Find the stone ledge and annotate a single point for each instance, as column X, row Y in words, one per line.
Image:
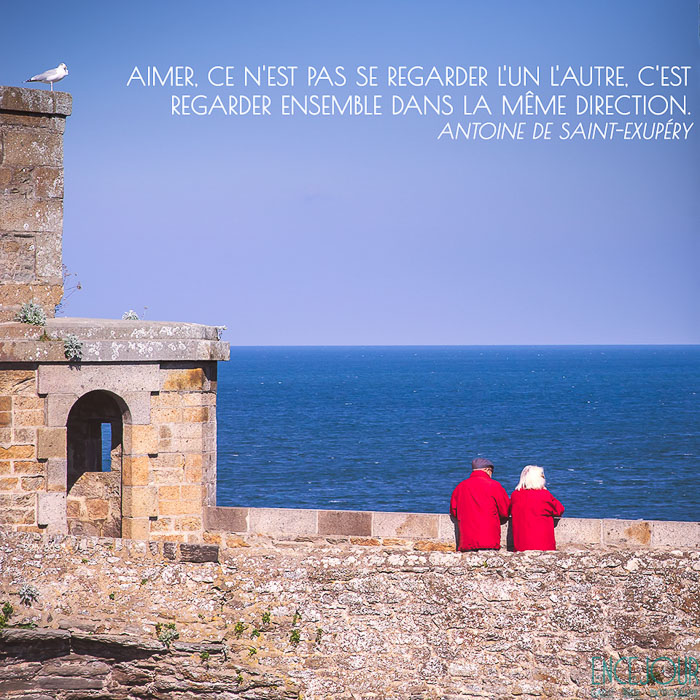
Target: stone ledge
column 35, row 101
column 639, row 534
column 106, row 340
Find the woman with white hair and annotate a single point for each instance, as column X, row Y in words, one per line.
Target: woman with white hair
column 533, row 510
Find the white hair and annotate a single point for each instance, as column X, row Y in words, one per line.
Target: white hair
column 532, row 477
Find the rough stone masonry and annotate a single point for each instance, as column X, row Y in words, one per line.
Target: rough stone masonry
column 340, row 618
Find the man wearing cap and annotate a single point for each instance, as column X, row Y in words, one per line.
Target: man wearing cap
column 480, row 504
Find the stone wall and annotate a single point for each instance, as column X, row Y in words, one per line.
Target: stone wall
column 32, row 123
column 333, row 617
column 436, row 529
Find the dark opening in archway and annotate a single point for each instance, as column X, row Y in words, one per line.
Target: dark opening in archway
column 95, row 434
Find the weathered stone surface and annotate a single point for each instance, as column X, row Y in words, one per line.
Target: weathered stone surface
column 51, row 511
column 34, row 101
column 415, row 525
column 338, row 522
column 51, row 442
column 372, row 621
column 199, row 553
column 273, row 521
column 227, row 519
column 76, row 380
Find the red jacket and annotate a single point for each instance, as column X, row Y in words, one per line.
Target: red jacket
column 533, row 511
column 479, row 503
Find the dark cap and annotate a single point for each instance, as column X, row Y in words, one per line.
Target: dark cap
column 481, row 463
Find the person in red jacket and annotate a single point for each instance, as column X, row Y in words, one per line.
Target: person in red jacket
column 480, row 504
column 533, row 510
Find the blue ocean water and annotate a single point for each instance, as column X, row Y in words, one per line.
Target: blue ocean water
column 396, row 428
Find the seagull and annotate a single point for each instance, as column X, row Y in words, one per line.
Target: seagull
column 50, row 76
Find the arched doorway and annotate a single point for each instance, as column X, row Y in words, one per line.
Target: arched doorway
column 94, row 469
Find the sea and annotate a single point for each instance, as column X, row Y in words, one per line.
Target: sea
column 616, row 428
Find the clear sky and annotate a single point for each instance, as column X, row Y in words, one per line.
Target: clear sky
column 360, row 231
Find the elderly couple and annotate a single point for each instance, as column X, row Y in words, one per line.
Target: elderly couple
column 480, row 504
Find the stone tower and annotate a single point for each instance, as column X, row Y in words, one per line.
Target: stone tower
column 107, row 427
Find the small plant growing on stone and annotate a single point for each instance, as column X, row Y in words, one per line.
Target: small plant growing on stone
column 239, row 679
column 144, row 581
column 28, row 594
column 72, row 348
column 167, row 633
column 295, row 637
column 252, row 651
column 296, row 618
column 32, row 314
column 83, row 561
column 239, row 628
column 266, row 617
column 255, row 634
column 130, row 315
column 204, row 656
column 6, row 614
column 112, row 595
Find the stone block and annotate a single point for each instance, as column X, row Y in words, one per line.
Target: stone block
column 35, row 102
column 199, row 414
column 18, row 382
column 411, row 525
column 5, row 418
column 626, row 532
column 29, row 467
column 578, row 531
column 24, row 403
column 51, row 442
column 190, row 524
column 47, row 182
column 276, row 521
column 140, row 439
column 56, row 474
column 194, row 379
column 180, row 507
column 29, row 418
column 225, row 519
column 680, row 535
column 136, row 470
column 31, row 215
column 79, row 379
column 97, row 508
column 139, row 404
column 344, row 522
column 32, row 147
column 199, row 553
column 17, row 452
column 139, row 501
column 49, row 258
column 58, row 407
column 9, row 484
column 17, row 257
column 33, row 483
column 51, row 511
column 447, row 528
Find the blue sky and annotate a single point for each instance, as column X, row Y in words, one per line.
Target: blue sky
column 368, row 230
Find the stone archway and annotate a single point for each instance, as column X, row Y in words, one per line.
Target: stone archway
column 95, row 436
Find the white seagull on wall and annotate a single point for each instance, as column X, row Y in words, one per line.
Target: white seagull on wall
column 50, row 76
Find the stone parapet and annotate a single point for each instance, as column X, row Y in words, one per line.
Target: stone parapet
column 439, row 528
column 112, row 341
